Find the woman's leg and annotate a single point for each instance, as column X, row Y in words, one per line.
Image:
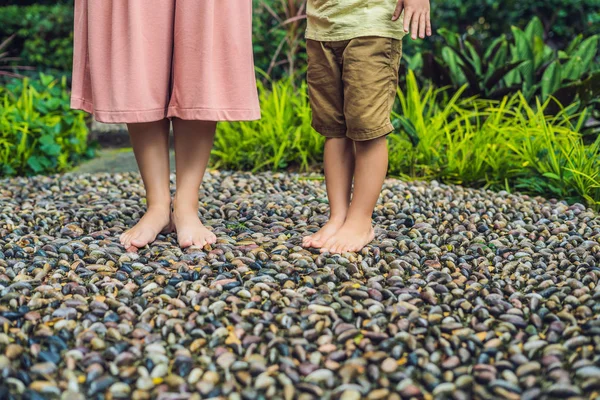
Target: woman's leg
column 193, row 143
column 151, row 148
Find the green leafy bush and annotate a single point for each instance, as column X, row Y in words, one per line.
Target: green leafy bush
column 562, row 19
column 493, row 144
column 282, row 139
column 39, row 133
column 44, row 34
column 522, row 64
column 278, row 37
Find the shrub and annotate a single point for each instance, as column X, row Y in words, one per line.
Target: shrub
column 8, row 67
column 39, row 133
column 44, row 34
column 278, row 37
column 493, row 144
column 562, row 19
column 522, row 64
column 282, row 139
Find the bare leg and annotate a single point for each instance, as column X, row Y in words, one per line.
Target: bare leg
column 339, row 167
column 193, row 143
column 151, row 148
column 369, row 174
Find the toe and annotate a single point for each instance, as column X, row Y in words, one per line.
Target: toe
column 185, row 242
column 137, row 242
column 124, row 238
column 200, row 243
column 327, row 246
column 306, row 241
column 333, row 247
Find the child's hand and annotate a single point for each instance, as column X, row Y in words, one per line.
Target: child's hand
column 416, row 17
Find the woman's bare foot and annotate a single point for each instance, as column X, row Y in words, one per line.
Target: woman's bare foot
column 190, row 231
column 156, row 220
column 318, row 239
column 352, row 236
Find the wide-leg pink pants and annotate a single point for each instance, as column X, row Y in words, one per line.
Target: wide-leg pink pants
column 145, row 60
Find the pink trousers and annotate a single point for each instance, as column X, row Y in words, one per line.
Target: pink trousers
column 146, row 60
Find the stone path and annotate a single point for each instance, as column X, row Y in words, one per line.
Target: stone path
column 464, row 294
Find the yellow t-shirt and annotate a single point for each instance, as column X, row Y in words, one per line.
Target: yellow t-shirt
column 332, row 20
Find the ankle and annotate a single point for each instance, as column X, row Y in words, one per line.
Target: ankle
column 185, row 205
column 161, row 208
column 337, row 218
column 358, row 221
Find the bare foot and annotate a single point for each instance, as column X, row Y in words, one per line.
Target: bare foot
column 156, row 220
column 322, row 236
column 190, row 231
column 352, row 236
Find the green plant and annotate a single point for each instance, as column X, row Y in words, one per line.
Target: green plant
column 39, row 133
column 283, row 23
column 463, row 61
column 562, row 19
column 7, row 67
column 522, row 64
column 43, row 34
column 544, row 72
column 559, row 163
column 282, row 139
column 493, row 144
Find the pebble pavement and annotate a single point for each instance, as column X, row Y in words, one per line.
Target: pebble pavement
column 464, row 294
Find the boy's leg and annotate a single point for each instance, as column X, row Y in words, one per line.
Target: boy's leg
column 326, row 95
column 150, row 143
column 193, row 143
column 339, row 168
column 370, row 73
column 369, row 174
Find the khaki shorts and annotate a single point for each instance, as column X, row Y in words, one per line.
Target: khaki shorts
column 352, row 86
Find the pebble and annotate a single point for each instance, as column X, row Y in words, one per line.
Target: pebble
column 463, row 293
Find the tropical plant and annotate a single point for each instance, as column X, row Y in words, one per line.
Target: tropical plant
column 523, row 63
column 43, row 34
column 493, row 144
column 282, row 24
column 39, row 133
column 7, row 66
column 282, row 139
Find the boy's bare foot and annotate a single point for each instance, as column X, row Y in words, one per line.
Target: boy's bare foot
column 324, row 234
column 156, row 220
column 190, row 231
column 352, row 236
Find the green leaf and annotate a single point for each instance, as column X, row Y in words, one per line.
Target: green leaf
column 499, row 58
column 587, row 51
column 574, row 44
column 46, row 80
column 494, row 47
column 534, row 29
column 404, row 124
column 551, row 79
column 34, row 164
column 474, row 59
column 552, row 175
column 500, row 73
column 541, row 52
column 523, row 50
